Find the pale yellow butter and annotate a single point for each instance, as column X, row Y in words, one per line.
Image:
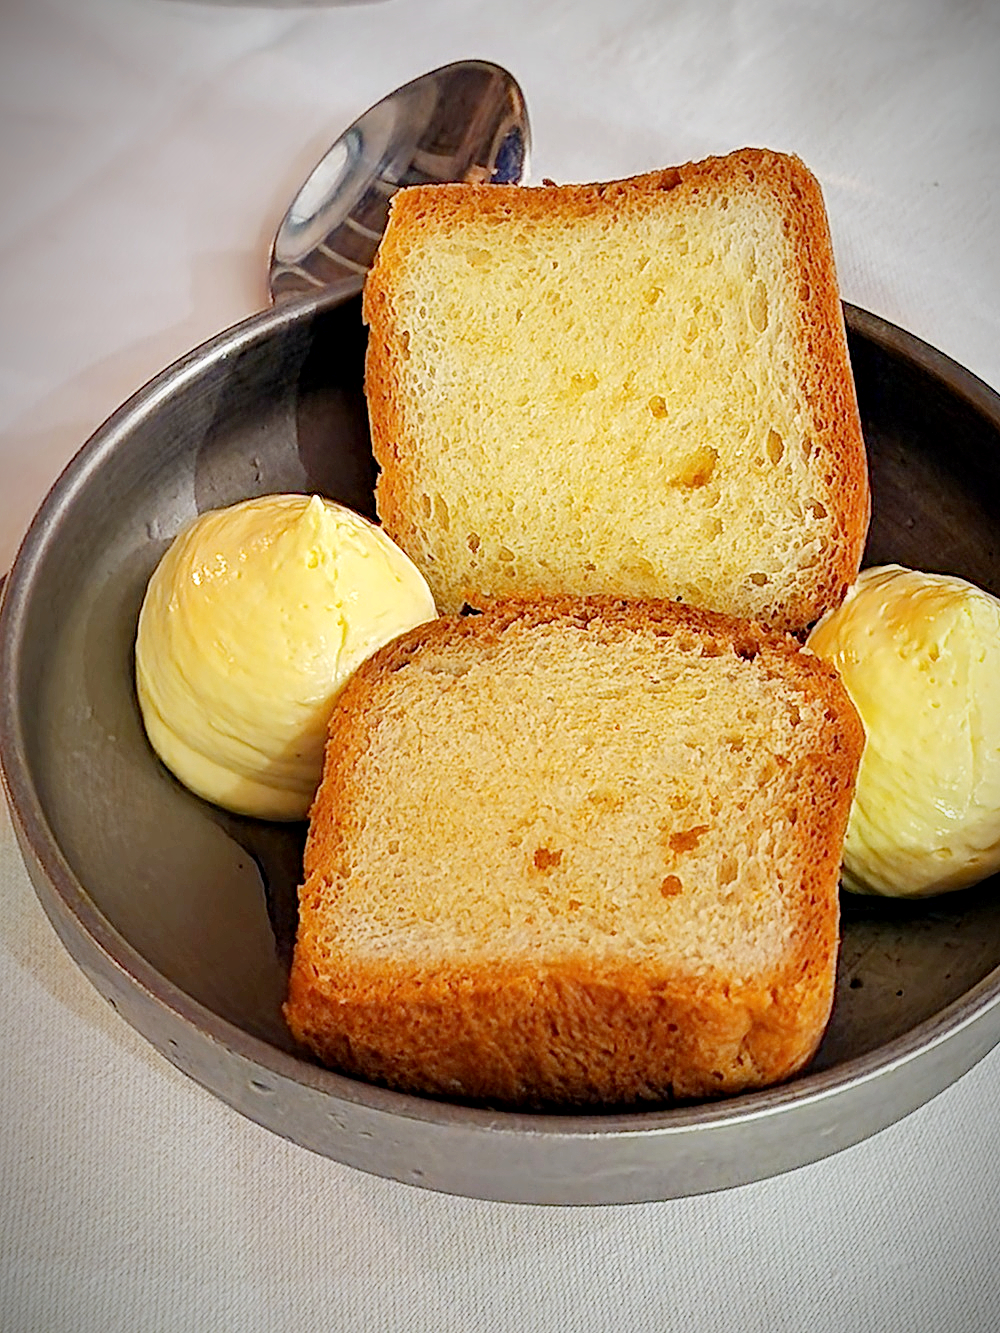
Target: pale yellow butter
column 920, row 657
column 251, row 624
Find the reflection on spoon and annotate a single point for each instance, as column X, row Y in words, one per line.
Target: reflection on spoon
column 463, row 122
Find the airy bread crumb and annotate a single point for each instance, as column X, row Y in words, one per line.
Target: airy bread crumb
column 639, row 388
column 577, row 852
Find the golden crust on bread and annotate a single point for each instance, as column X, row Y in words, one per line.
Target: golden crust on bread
column 577, row 852
column 636, row 388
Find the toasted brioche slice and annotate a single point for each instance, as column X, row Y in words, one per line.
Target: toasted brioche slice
column 574, row 852
column 640, row 389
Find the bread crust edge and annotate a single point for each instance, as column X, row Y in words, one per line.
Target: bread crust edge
column 572, row 1033
column 820, row 335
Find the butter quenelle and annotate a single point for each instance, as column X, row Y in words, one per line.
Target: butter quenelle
column 251, row 624
column 920, row 657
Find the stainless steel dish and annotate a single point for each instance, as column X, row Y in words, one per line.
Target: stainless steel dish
column 182, row 916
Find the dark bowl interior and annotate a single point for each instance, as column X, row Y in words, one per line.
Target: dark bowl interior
column 208, row 898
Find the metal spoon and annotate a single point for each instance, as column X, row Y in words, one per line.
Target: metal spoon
column 463, row 122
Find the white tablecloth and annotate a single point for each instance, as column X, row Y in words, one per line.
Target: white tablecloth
column 148, row 150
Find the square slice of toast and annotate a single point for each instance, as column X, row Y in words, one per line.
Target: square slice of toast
column 576, row 852
column 640, row 388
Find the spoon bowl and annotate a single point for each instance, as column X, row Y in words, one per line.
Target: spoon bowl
column 463, row 122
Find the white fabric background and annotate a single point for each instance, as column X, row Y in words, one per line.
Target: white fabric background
column 148, row 148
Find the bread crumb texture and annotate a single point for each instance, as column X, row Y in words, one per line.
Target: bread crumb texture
column 574, row 852
column 640, row 388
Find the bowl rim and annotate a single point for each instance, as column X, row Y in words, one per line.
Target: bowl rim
column 134, row 970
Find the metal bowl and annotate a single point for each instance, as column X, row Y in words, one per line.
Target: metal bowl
column 183, row 916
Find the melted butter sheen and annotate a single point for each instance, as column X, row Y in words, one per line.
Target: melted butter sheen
column 251, row 624
column 920, row 657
